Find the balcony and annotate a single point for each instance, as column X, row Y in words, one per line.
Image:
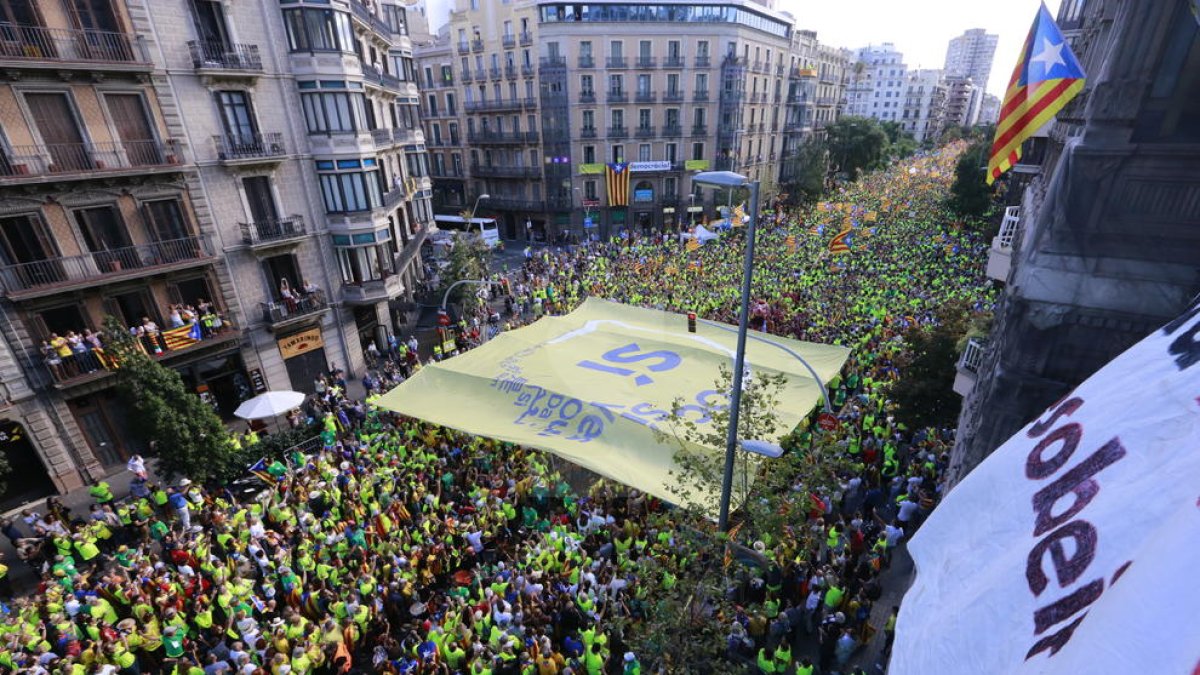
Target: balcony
column 526, row 38
column 272, row 233
column 509, row 41
column 587, row 62
column 587, row 132
column 1000, row 255
column 553, row 62
column 407, row 136
column 644, row 132
column 510, row 72
column 618, row 132
column 40, row 278
column 494, row 73
column 700, row 96
column 464, row 47
column 23, row 46
column 527, row 70
column 251, row 149
column 82, row 161
column 501, row 138
column 217, row 59
column 477, row 45
column 647, row 62
column 487, row 106
column 587, row 97
column 372, row 291
column 702, row 62
column 645, row 97
column 382, row 138
column 757, row 66
column 375, row 75
column 617, row 97
column 674, row 62
column 699, row 129
column 530, row 103
column 616, row 62
column 493, row 171
column 466, row 76
column 969, row 365
column 672, row 131
column 672, row 96
column 288, row 313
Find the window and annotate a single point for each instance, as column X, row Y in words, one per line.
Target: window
column 418, row 163
column 360, row 264
column 318, row 30
column 585, row 49
column 333, row 112
column 585, row 85
column 451, row 109
column 589, row 119
column 618, row 119
column 237, row 116
column 669, row 189
column 699, row 117
column 165, row 221
column 672, row 152
column 589, row 189
column 697, row 151
column 673, row 83
column 618, row 153
column 589, row 154
column 644, row 118
column 644, row 49
column 644, row 152
column 702, row 82
column 347, row 187
column 643, row 84
column 615, row 83
column 615, row 48
column 672, row 117
column 433, row 105
column 673, row 49
column 702, row 48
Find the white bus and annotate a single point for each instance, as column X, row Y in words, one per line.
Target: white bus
column 484, row 228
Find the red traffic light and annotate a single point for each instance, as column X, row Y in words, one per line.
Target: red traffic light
column 691, row 322
column 443, row 318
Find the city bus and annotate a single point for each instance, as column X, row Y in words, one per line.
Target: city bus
column 484, row 228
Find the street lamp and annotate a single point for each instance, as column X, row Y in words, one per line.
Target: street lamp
column 691, row 211
column 731, row 180
column 473, row 209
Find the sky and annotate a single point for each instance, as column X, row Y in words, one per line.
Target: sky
column 920, row 29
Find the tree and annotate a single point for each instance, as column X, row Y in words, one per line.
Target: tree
column 468, row 260
column 770, row 496
column 856, row 144
column 970, row 195
column 807, row 171
column 925, row 395
column 183, row 431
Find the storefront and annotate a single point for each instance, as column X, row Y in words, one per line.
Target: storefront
column 27, row 479
column 220, row 381
column 304, row 357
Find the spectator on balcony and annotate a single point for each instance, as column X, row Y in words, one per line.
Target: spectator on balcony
column 62, row 347
column 53, row 361
column 289, row 298
column 151, row 336
column 175, row 319
column 312, row 294
column 85, row 360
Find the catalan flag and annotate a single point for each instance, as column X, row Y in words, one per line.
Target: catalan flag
column 1046, row 78
column 184, row 336
column 692, row 244
column 616, row 176
column 838, row 243
column 739, row 215
column 790, row 242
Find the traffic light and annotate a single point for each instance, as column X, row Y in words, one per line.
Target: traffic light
column 691, row 322
column 443, row 318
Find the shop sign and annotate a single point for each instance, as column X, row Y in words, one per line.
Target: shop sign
column 301, row 343
column 635, row 167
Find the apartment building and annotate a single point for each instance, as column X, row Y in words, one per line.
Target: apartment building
column 878, row 83
column 546, row 93
column 98, row 216
column 267, row 161
column 970, row 55
column 963, row 101
column 1099, row 247
column 818, row 76
column 924, row 104
column 305, row 127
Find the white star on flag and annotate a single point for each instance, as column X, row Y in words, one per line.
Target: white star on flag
column 1050, row 56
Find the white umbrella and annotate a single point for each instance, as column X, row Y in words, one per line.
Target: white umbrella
column 269, row 404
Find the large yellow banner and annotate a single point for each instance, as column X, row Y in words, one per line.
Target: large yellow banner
column 592, row 387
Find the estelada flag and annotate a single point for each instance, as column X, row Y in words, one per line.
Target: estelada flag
column 692, row 244
column 1046, row 78
column 184, row 336
column 739, row 216
column 838, row 243
column 616, row 176
column 790, row 242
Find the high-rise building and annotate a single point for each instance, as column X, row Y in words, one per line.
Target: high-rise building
column 878, row 83
column 547, row 93
column 265, row 160
column 924, row 104
column 970, row 55
column 1100, row 248
column 962, row 97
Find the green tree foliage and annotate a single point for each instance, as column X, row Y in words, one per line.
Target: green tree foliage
column 769, row 496
column 970, row 195
column 468, row 260
column 808, row 170
column 186, row 435
column 925, row 395
column 856, row 144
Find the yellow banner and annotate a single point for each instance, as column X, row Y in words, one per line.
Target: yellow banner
column 592, row 387
column 591, row 168
column 696, row 165
column 300, row 343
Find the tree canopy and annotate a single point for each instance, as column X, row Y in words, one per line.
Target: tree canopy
column 856, row 144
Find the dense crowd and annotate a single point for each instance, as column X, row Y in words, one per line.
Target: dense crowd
column 404, row 548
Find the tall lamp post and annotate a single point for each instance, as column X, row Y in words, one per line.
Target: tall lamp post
column 730, row 181
column 476, row 207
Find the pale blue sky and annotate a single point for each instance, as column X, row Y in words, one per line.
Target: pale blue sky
column 920, row 29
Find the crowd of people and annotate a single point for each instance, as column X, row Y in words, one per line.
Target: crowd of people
column 406, row 548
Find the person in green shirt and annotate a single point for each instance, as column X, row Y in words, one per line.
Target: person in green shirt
column 101, row 491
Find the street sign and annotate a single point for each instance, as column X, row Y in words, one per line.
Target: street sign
column 443, row 318
column 827, row 422
column 587, row 222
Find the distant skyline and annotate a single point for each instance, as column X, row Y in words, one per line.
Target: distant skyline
column 920, row 29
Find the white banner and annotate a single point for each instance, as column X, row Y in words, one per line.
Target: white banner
column 1074, row 547
column 637, row 167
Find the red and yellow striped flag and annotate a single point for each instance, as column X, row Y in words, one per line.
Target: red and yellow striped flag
column 616, row 177
column 184, row 336
column 1046, row 78
column 838, row 243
